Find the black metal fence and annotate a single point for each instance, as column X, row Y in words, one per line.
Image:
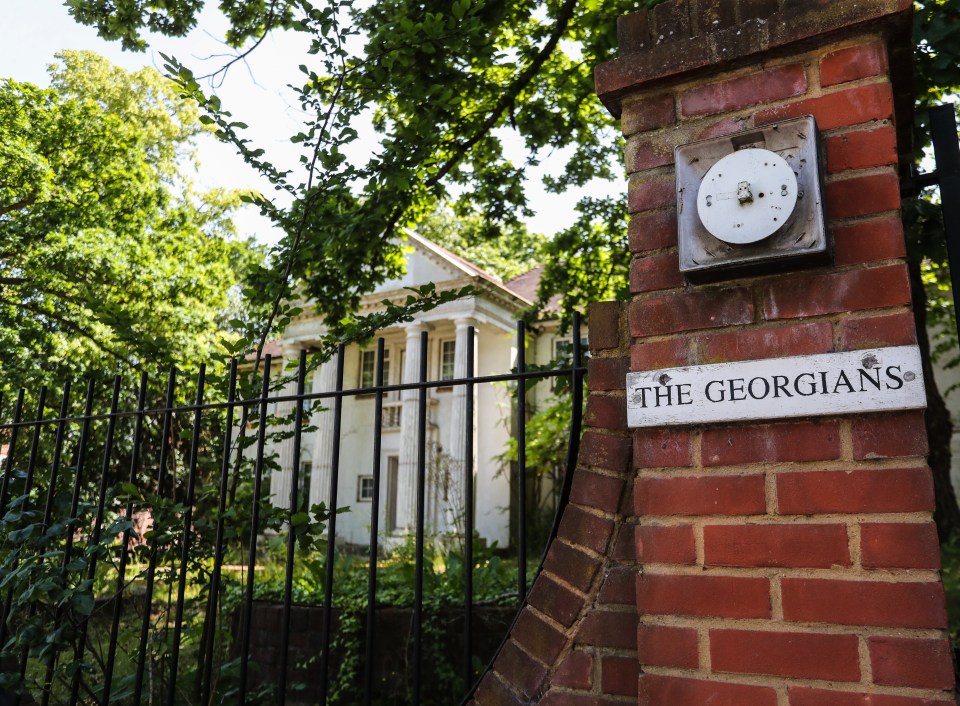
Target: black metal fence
column 134, row 543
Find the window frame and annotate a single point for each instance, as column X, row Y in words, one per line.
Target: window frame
column 361, row 482
column 371, row 355
column 453, row 359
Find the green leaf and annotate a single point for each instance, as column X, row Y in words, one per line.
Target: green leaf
column 82, row 603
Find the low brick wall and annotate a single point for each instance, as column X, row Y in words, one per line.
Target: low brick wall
column 393, row 648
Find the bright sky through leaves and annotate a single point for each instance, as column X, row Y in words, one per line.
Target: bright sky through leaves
column 33, row 31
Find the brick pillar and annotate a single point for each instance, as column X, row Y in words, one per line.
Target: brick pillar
column 789, row 563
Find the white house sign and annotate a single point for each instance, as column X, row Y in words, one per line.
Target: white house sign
column 813, row 385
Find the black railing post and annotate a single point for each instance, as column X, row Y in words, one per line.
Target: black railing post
column 576, row 423
column 187, row 534
column 11, row 449
column 331, row 532
column 28, row 485
column 374, row 531
column 51, row 495
column 521, row 463
column 946, row 150
column 95, row 537
column 124, row 544
column 421, row 518
column 291, row 532
column 468, row 522
column 34, row 447
column 166, row 443
column 73, row 521
column 254, row 531
column 210, row 624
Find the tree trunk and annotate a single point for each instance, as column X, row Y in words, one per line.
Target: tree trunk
column 939, row 425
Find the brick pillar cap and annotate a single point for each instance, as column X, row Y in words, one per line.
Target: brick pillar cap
column 668, row 41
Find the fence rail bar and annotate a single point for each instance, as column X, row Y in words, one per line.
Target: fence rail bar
column 74, row 504
column 573, row 444
column 95, row 539
column 309, row 396
column 206, row 686
column 51, row 494
column 421, row 515
column 8, row 471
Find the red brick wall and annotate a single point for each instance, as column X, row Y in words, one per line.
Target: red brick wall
column 577, row 637
column 792, row 563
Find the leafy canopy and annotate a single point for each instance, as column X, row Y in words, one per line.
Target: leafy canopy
column 109, row 259
column 446, row 86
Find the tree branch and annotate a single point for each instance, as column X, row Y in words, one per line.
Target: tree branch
column 76, row 328
column 222, row 71
column 509, row 95
column 17, row 205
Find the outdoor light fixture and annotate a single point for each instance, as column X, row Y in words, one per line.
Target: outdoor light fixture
column 751, row 201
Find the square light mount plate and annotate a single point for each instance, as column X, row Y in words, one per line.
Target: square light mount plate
column 751, row 201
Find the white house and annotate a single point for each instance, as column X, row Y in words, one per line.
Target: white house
column 493, row 312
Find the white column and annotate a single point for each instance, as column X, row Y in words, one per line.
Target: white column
column 409, row 433
column 324, row 380
column 456, row 440
column 280, row 479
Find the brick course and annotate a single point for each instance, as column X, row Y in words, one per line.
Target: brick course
column 744, row 91
column 702, row 495
column 653, row 230
column 814, row 546
column 786, row 654
column 900, row 661
column 853, row 106
column 665, row 646
column 876, row 603
column 818, row 294
column 656, row 690
column 852, row 63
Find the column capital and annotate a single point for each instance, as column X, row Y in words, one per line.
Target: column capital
column 462, row 322
column 290, row 352
column 415, row 328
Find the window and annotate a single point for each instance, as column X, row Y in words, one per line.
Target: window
column 393, row 473
column 563, row 350
column 365, row 488
column 448, row 353
column 368, row 367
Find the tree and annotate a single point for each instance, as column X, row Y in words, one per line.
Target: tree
column 937, row 79
column 444, row 82
column 109, row 258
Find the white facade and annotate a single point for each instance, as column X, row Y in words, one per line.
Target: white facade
column 493, row 313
